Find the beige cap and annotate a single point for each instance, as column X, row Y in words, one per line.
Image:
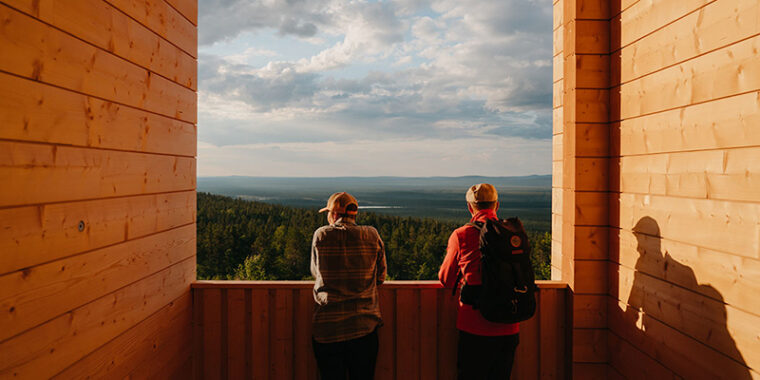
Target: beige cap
column 338, row 202
column 482, row 192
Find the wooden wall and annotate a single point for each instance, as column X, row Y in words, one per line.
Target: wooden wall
column 685, row 239
column 679, row 154
column 262, row 330
column 97, row 203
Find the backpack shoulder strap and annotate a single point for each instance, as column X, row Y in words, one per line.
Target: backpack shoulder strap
column 478, row 225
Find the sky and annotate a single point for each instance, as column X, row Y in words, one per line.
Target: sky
column 323, row 88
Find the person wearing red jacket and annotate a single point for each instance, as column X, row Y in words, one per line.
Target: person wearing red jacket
column 486, row 349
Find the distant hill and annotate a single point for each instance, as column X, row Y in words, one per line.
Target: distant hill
column 455, row 184
column 528, row 197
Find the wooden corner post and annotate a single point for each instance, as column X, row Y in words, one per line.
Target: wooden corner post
column 580, row 210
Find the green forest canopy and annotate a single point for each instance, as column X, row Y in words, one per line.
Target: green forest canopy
column 246, row 240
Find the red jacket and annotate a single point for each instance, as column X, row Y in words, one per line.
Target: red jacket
column 463, row 256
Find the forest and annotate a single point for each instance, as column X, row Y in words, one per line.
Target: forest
column 247, row 240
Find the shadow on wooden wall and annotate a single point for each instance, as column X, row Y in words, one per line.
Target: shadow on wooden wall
column 655, row 310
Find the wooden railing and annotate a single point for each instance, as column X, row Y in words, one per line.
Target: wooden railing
column 262, row 330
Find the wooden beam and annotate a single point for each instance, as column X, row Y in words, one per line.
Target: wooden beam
column 35, row 295
column 725, row 72
column 730, row 174
column 32, row 235
column 37, row 112
column 714, row 26
column 630, row 361
column 589, row 311
column 728, row 330
column 644, row 17
column 104, row 26
column 590, row 276
column 590, row 345
column 188, row 8
column 53, row 346
column 163, row 19
column 673, row 348
column 736, row 278
column 700, row 222
column 718, row 124
column 38, row 170
column 70, row 63
column 146, row 347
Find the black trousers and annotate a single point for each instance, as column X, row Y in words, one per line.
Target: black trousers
column 485, row 357
column 355, row 358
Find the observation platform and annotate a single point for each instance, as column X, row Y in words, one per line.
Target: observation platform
column 262, row 330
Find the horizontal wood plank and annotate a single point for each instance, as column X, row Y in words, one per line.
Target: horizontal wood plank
column 724, row 123
column 732, row 174
column 590, row 345
column 725, row 72
column 53, row 346
column 558, row 93
column 558, row 116
column 557, row 69
column 104, row 26
column 587, row 106
column 34, row 111
column 591, row 174
column 146, row 347
column 587, row 37
column 188, row 8
column 590, row 276
column 590, row 207
column 644, row 17
column 32, row 235
column 174, row 361
column 163, row 19
column 592, row 71
column 590, row 371
column 35, row 295
column 558, row 41
column 589, row 311
column 67, row 62
column 736, row 278
column 632, row 363
column 716, row 25
column 591, row 243
column 700, row 222
column 33, row 173
column 671, row 347
column 728, row 330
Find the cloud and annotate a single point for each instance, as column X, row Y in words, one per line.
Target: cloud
column 385, row 73
column 225, row 19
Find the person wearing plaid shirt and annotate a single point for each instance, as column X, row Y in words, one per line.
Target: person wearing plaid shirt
column 348, row 263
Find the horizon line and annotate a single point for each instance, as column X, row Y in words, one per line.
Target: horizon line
column 375, row 176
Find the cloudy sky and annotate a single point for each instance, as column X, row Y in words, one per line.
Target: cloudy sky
column 365, row 88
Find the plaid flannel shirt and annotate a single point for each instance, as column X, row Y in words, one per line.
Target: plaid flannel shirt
column 348, row 263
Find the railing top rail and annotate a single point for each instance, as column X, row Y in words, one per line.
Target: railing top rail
column 200, row 284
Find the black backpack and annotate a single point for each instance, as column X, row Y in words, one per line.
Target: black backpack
column 507, row 294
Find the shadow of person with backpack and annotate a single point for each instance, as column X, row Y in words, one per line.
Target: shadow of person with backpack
column 680, row 303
